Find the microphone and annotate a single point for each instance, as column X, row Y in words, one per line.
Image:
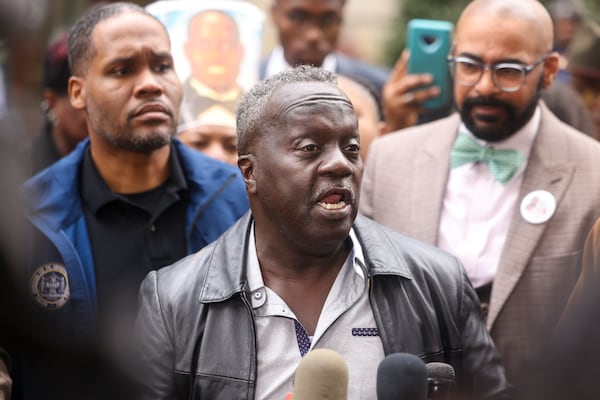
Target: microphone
column 321, row 375
column 401, row 376
column 440, row 381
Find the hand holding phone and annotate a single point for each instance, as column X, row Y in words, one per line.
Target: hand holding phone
column 403, row 94
column 429, row 43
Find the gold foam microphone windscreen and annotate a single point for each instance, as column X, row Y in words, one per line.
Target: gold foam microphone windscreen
column 321, row 375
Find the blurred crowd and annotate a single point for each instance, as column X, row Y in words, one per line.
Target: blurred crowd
column 137, row 163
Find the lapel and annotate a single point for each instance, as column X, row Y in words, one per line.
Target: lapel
column 547, row 169
column 429, row 179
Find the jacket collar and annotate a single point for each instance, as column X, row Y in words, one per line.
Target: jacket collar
column 52, row 197
column 382, row 255
column 96, row 193
column 225, row 273
column 430, row 166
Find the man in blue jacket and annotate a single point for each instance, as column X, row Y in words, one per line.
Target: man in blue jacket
column 128, row 200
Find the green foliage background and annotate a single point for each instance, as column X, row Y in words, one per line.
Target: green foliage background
column 447, row 10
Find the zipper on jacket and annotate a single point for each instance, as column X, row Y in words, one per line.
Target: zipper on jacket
column 244, row 295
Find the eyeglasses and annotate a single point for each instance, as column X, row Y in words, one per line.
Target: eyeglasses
column 508, row 77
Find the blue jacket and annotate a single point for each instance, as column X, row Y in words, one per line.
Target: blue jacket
column 217, row 198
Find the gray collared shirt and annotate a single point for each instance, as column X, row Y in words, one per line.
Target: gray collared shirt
column 346, row 325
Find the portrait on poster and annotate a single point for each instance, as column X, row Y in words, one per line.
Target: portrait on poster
column 216, row 46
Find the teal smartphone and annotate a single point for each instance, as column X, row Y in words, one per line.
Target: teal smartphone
column 429, row 43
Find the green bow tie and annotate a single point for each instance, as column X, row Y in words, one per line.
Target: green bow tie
column 503, row 164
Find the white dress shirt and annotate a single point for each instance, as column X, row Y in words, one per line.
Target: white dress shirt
column 346, row 325
column 477, row 209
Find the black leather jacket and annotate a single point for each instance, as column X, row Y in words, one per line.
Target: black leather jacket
column 196, row 316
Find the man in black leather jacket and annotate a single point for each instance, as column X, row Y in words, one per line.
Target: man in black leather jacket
column 302, row 271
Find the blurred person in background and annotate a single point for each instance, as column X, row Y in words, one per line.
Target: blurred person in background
column 583, row 63
column 212, row 133
column 5, row 379
column 17, row 18
column 569, row 106
column 308, row 33
column 367, row 107
column 64, row 126
column 567, row 17
column 19, row 21
column 567, row 366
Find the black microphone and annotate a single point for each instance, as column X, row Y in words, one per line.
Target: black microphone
column 440, row 381
column 401, row 376
column 321, row 375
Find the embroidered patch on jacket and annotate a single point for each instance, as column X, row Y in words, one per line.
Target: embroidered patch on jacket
column 365, row 332
column 50, row 286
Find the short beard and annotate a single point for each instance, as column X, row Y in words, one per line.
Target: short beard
column 123, row 138
column 145, row 145
column 514, row 122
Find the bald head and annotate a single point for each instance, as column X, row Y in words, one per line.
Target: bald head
column 513, row 39
column 531, row 12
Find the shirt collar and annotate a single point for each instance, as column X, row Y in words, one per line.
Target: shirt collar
column 522, row 140
column 96, row 193
column 277, row 62
column 254, row 275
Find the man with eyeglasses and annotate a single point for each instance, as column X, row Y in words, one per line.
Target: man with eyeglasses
column 502, row 184
column 308, row 34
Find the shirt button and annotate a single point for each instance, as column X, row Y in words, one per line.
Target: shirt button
column 153, row 228
column 257, row 295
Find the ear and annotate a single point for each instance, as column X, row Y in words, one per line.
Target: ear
column 77, row 92
column 551, row 66
column 246, row 166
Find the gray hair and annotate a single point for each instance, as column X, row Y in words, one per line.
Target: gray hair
column 81, row 49
column 251, row 113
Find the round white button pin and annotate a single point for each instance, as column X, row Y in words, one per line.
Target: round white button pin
column 538, row 206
